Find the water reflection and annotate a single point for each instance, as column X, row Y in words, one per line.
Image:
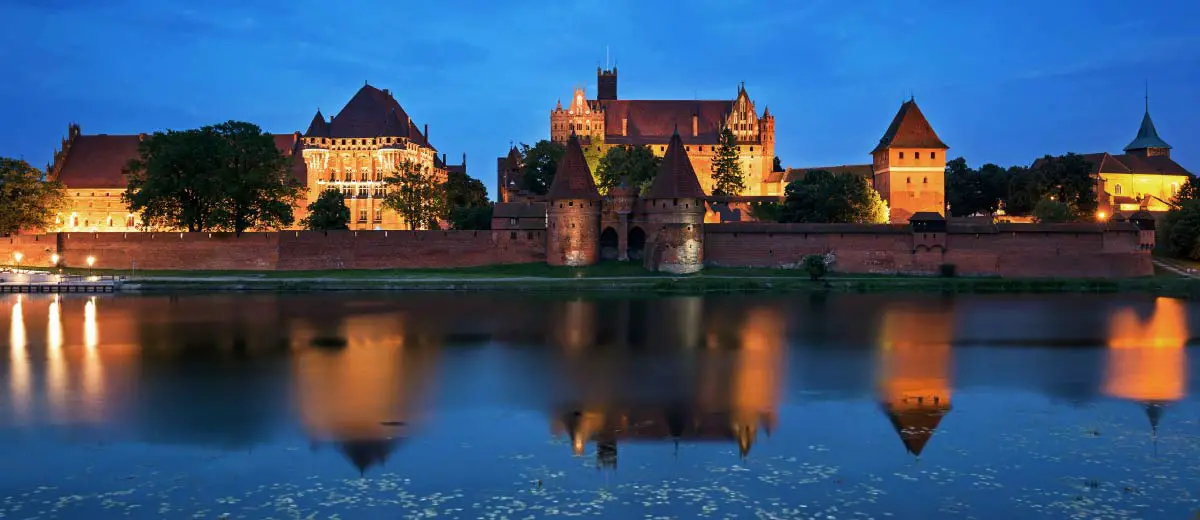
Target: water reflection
column 1147, row 359
column 914, row 366
column 372, row 380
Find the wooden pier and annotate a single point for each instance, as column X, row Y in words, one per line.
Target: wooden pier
column 27, row 288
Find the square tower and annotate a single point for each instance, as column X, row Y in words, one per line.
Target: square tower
column 910, row 166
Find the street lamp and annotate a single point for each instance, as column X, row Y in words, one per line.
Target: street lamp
column 54, row 259
column 18, row 256
column 91, row 260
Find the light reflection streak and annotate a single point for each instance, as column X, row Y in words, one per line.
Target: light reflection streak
column 56, row 369
column 93, row 369
column 19, row 382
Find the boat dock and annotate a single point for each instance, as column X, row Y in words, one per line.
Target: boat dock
column 27, row 282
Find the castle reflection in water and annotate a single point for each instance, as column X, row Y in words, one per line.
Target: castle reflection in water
column 357, row 374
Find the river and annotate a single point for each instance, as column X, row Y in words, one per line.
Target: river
column 495, row 405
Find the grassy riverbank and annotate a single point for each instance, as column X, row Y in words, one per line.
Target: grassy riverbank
column 616, row 276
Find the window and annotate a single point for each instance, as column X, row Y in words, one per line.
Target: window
column 751, row 148
column 925, row 180
column 701, row 148
column 129, row 221
column 1174, row 188
column 1117, row 190
column 908, row 180
column 512, row 235
column 933, row 155
column 916, row 155
column 74, row 221
column 109, row 221
column 378, row 214
column 901, row 155
column 512, row 221
column 362, row 215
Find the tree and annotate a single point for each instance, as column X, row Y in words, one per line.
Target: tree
column 541, row 163
column 766, row 211
column 971, row 192
column 415, row 195
column 1051, row 211
column 26, row 201
column 1189, row 191
column 1181, row 230
column 593, row 152
column 821, row 196
column 226, row 177
column 1025, row 188
column 476, row 217
column 258, row 190
column 463, row 191
column 726, row 171
column 1068, row 179
column 636, row 165
column 327, row 213
column 777, row 165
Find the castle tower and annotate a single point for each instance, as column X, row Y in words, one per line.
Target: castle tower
column 674, row 208
column 606, row 84
column 574, row 211
column 910, row 166
column 1147, row 143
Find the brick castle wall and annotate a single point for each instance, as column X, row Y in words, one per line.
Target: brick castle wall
column 888, row 249
column 300, row 250
column 35, row 250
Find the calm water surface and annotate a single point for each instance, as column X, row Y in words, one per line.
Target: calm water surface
column 518, row 406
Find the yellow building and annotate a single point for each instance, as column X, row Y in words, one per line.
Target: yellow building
column 1143, row 178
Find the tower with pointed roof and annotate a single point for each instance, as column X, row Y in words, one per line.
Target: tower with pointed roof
column 1147, row 143
column 909, row 165
column 573, row 211
column 673, row 209
column 358, row 148
column 915, row 368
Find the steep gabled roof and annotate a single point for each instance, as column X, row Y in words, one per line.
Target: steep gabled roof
column 676, row 179
column 1131, row 163
column 910, row 129
column 573, row 180
column 370, row 114
column 652, row 121
column 318, row 127
column 1147, row 136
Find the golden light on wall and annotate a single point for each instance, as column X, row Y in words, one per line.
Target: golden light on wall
column 1147, row 358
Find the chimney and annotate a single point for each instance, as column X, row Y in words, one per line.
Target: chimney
column 387, row 92
column 443, row 159
column 695, row 124
column 426, row 133
column 625, row 126
column 464, row 164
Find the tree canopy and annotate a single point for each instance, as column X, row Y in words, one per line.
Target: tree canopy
column 328, row 213
column 466, row 202
column 637, row 165
column 26, row 201
column 1018, row 189
column 475, row 217
column 1051, row 211
column 541, row 163
column 821, row 196
column 415, row 194
column 726, row 171
column 226, row 177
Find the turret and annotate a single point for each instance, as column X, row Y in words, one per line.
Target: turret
column 573, row 215
column 910, row 165
column 1148, row 143
column 674, row 208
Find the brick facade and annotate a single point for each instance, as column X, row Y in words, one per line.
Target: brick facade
column 574, row 235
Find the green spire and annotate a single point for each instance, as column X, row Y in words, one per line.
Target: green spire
column 1147, row 136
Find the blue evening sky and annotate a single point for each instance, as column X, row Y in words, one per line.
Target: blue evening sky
column 1001, row 81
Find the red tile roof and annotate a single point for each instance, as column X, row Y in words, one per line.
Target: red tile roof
column 865, row 171
column 99, row 161
column 573, row 180
column 1131, row 163
column 676, row 179
column 653, row 121
column 318, row 127
column 910, row 129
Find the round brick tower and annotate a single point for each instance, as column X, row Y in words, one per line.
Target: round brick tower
column 674, row 213
column 573, row 213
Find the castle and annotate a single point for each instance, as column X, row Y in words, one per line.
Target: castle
column 351, row 152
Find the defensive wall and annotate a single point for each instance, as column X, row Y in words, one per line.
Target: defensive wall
column 283, row 251
column 1008, row 250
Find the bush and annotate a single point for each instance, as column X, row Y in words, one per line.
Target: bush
column 816, row 266
column 947, row 270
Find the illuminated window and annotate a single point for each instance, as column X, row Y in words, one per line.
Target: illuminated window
column 378, row 214
column 129, row 221
column 109, row 221
column 1117, row 189
column 362, row 215
column 1174, row 188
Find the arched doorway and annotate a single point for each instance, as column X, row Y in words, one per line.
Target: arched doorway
column 608, row 244
column 637, row 243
